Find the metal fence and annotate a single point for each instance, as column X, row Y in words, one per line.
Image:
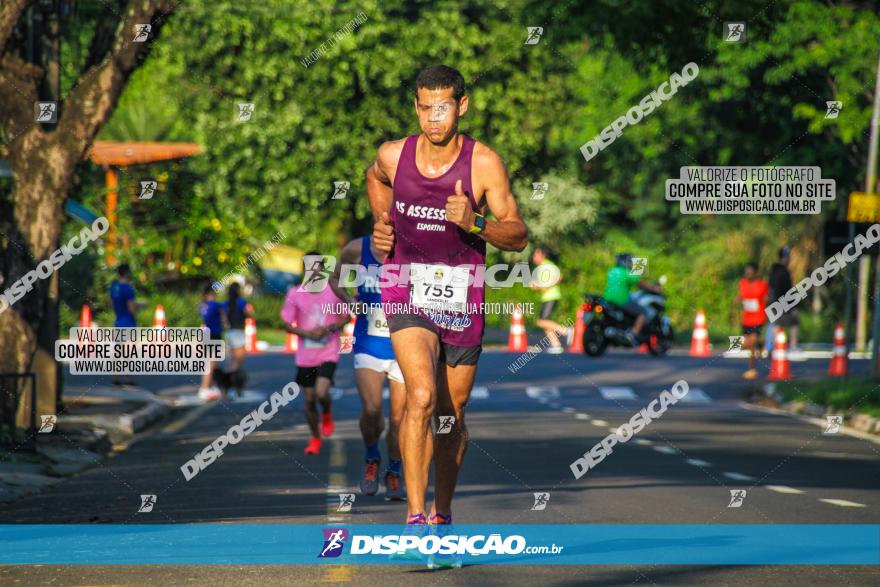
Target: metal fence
column 13, row 387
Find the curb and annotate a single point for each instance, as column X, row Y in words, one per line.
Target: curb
column 857, row 425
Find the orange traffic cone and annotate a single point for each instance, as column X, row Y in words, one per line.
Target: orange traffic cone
column 700, row 338
column 780, row 370
column 85, row 317
column 250, row 335
column 838, row 358
column 250, row 332
column 577, row 337
column 516, row 340
column 292, row 344
column 346, row 341
column 159, row 317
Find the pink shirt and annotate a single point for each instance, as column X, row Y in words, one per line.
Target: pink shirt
column 312, row 310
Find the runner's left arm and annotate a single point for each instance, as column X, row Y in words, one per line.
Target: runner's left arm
column 508, row 232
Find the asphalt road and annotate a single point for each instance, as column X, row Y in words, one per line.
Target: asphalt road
column 679, row 470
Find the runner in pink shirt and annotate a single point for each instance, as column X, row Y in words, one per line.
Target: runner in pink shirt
column 318, row 315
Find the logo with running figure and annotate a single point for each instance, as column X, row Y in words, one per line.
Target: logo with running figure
column 147, row 503
column 534, row 35
column 245, row 111
column 539, row 189
column 47, row 423
column 833, row 424
column 141, row 33
column 148, row 188
column 639, row 264
column 541, row 500
column 737, row 496
column 46, row 112
column 316, row 272
column 832, row 109
column 346, row 500
column 334, row 541
column 736, row 344
column 445, row 424
column 735, row 32
column 340, row 189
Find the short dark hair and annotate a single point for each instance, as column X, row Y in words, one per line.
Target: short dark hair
column 441, row 76
column 123, row 270
column 753, row 265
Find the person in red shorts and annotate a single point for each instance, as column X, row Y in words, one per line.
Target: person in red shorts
column 753, row 297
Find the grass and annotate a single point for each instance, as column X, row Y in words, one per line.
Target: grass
column 856, row 394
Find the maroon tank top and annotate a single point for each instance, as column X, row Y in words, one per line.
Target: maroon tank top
column 435, row 253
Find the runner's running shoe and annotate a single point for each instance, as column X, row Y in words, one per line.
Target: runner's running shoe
column 442, row 526
column 209, row 394
column 314, row 446
column 393, row 486
column 416, row 525
column 327, row 425
column 370, row 477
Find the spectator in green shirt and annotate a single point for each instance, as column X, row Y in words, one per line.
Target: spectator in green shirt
column 620, row 282
column 546, row 278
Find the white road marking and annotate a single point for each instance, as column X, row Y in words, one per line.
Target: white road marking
column 537, row 392
column 783, row 489
column 336, row 393
column 568, row 410
column 696, row 395
column 600, row 423
column 643, row 441
column 668, row 450
column 698, row 463
column 617, row 393
column 737, row 476
column 844, row 503
column 386, row 393
column 480, row 393
column 581, row 416
column 249, row 396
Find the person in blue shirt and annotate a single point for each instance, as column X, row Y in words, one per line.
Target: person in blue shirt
column 374, row 362
column 212, row 313
column 122, row 295
column 236, row 310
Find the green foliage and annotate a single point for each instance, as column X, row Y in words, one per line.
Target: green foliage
column 754, row 103
column 852, row 395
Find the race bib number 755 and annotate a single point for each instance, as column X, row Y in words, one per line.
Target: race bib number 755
column 439, row 287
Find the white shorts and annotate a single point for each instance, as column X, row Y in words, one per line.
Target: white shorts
column 389, row 366
column 235, row 338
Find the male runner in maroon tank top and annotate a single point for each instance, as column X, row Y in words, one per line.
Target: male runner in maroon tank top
column 429, row 194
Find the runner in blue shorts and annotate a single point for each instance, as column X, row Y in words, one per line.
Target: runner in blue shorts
column 373, row 362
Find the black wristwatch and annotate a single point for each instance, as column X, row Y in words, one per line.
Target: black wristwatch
column 479, row 224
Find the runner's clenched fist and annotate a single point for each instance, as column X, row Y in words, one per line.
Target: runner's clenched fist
column 383, row 233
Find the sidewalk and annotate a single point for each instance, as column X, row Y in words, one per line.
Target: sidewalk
column 92, row 425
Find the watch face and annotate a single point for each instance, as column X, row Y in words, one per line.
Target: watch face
column 480, row 222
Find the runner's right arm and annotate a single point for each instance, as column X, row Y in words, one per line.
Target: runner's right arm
column 379, row 189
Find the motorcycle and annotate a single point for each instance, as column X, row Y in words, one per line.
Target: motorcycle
column 606, row 323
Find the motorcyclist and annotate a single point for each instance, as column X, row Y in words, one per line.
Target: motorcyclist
column 620, row 281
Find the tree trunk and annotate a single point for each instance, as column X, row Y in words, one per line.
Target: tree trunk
column 43, row 158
